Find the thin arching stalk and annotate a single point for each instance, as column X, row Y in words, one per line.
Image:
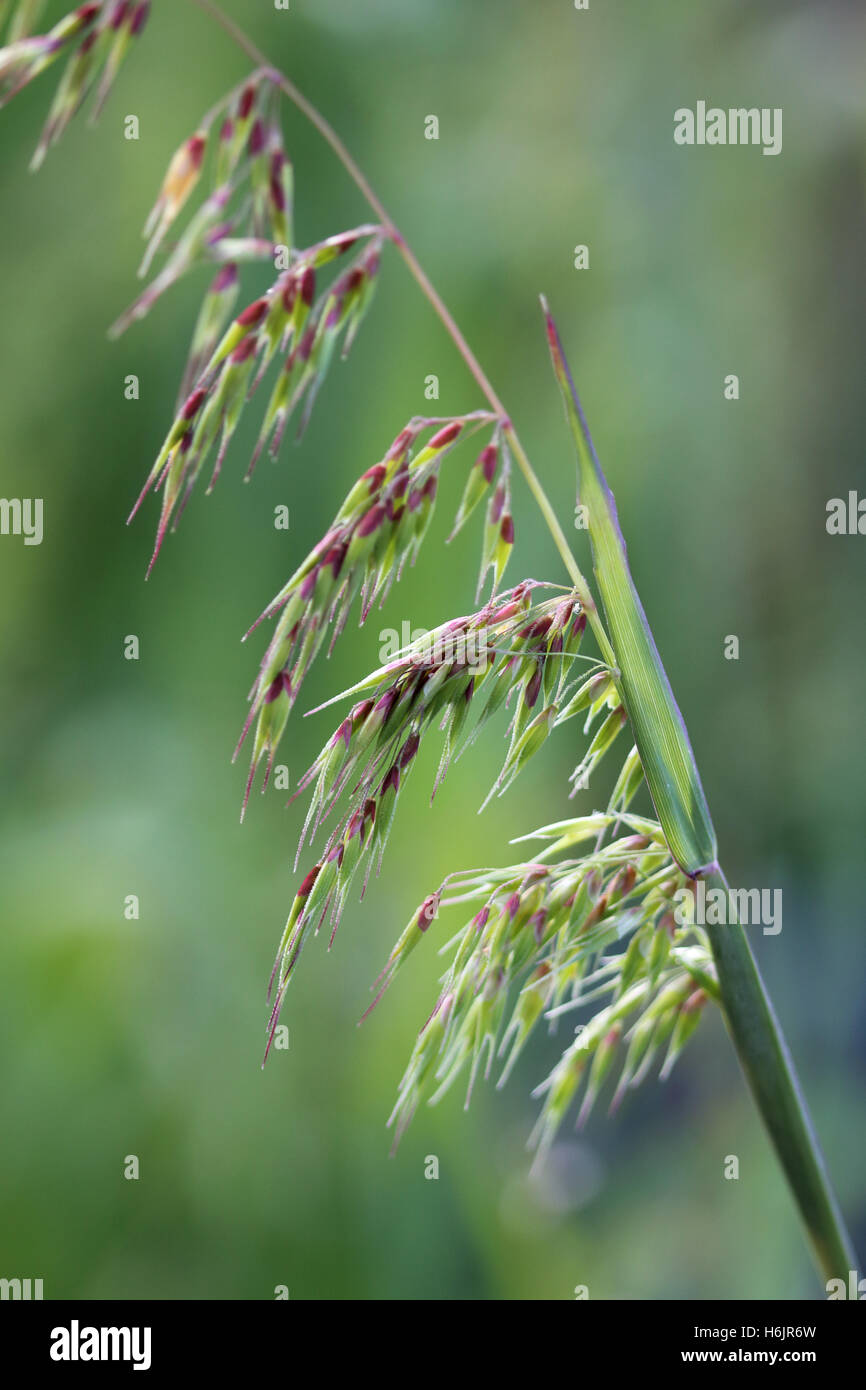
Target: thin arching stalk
column 748, row 1011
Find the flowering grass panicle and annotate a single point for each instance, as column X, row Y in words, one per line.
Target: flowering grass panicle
column 94, row 39
column 227, row 366
column 247, row 215
column 377, row 531
column 546, row 940
column 248, row 162
column 237, row 151
column 587, row 924
column 546, row 923
column 517, row 652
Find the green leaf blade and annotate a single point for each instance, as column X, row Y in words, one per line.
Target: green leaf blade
column 657, row 725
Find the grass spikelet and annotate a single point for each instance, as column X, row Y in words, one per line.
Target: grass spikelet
column 563, row 936
column 379, row 529
column 453, row 678
column 94, row 39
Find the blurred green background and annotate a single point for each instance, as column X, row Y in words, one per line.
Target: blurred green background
column 145, row 1037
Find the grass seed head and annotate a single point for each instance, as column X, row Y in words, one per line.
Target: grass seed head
column 94, row 39
column 548, row 938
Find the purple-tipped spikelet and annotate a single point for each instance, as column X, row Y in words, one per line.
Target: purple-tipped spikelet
column 498, row 541
column 546, row 936
column 377, row 531
column 239, row 115
column 213, row 315
column 124, row 21
column 544, row 943
column 27, row 57
column 455, row 677
column 228, row 225
column 94, row 38
column 226, row 364
column 181, row 177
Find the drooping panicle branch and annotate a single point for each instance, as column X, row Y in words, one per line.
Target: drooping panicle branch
column 546, row 939
column 378, row 530
column 517, row 654
column 94, row 39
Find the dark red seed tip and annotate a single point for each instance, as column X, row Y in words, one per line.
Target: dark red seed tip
column 445, row 435
column 307, row 886
column 487, row 460
column 410, row 748
column 404, row 438
column 193, row 403
column 308, row 583
column 245, row 102
column 360, row 712
column 391, row 780
column 427, row 911
column 195, row 146
column 386, row 702
column 245, row 350
column 290, row 294
column 226, row 278
column 257, row 137
column 253, row 313
column 139, row 18
column 334, row 559
column 371, row 521
column 374, row 477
